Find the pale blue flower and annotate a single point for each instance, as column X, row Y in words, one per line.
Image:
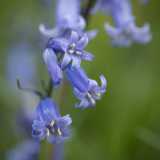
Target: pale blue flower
column 85, row 89
column 71, row 48
column 27, row 150
column 125, row 32
column 49, row 123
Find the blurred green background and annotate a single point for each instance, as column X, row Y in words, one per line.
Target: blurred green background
column 125, row 123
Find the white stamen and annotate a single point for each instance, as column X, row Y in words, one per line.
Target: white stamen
column 52, row 123
column 59, row 132
column 91, row 99
column 47, row 132
column 78, row 53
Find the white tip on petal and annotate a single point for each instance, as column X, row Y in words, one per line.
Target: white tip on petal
column 81, row 23
column 87, row 56
column 67, row 119
column 47, row 32
column 111, row 30
column 83, row 104
column 92, row 34
column 103, row 82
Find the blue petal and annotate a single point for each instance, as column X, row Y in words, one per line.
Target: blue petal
column 76, row 61
column 83, row 104
column 78, row 94
column 103, row 83
column 54, row 70
column 47, row 32
column 58, row 44
column 65, row 121
column 66, row 60
column 92, row 34
column 82, row 42
column 87, row 56
column 47, row 110
column 81, row 24
column 73, row 37
column 78, row 78
column 142, row 35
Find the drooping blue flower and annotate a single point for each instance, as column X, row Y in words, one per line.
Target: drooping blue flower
column 28, row 150
column 71, row 47
column 125, row 31
column 67, row 18
column 129, row 34
column 49, row 123
column 85, row 89
column 68, row 15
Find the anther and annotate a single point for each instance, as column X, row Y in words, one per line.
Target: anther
column 91, row 99
column 52, row 123
column 47, row 132
column 59, row 132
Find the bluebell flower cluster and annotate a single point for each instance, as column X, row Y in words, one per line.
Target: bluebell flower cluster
column 125, row 32
column 64, row 52
column 66, row 46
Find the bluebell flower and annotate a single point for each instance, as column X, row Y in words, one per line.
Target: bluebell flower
column 49, row 123
column 85, row 89
column 28, row 150
column 72, row 48
column 67, row 17
column 128, row 34
column 125, row 31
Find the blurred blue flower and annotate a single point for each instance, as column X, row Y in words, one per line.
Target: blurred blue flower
column 125, row 31
column 27, row 150
column 26, row 70
column 67, row 18
column 49, row 123
column 68, row 15
column 85, row 89
column 21, row 65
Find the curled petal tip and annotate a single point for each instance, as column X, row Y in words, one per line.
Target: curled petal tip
column 92, row 34
column 111, row 30
column 47, row 32
column 87, row 56
column 103, row 82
